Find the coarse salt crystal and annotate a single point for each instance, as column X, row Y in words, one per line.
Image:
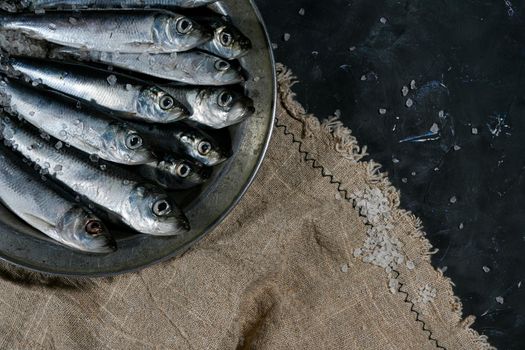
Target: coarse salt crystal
column 344, row 268
column 112, row 79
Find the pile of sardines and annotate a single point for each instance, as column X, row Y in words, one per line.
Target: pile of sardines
column 117, row 116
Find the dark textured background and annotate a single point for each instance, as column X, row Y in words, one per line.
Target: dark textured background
column 466, row 58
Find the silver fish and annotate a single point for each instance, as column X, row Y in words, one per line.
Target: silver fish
column 53, row 4
column 48, row 212
column 143, row 207
column 109, row 92
column 183, row 140
column 175, row 174
column 195, row 68
column 214, row 107
column 104, row 138
column 228, row 41
column 122, row 31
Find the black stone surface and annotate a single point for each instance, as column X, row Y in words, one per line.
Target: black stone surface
column 467, row 60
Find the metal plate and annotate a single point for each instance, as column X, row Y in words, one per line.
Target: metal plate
column 23, row 246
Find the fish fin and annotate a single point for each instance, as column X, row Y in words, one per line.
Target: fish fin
column 38, row 222
column 68, row 51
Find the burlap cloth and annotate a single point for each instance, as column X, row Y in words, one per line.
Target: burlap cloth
column 316, row 256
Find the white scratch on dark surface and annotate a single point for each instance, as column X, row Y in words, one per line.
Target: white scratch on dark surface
column 428, row 136
column 497, row 124
column 510, row 8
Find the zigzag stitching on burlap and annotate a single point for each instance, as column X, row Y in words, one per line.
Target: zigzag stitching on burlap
column 412, row 309
column 316, row 165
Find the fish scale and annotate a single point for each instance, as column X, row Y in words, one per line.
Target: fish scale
column 80, row 86
column 86, row 132
column 80, row 176
column 45, row 210
column 45, row 4
column 93, row 86
column 117, row 193
column 194, row 67
column 50, row 207
column 104, row 31
column 122, row 31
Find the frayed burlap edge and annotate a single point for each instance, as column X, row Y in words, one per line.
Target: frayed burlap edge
column 341, row 140
column 309, row 129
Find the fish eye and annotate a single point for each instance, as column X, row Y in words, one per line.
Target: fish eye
column 224, row 99
column 184, row 25
column 133, row 141
column 204, row 147
column 166, row 102
column 226, row 39
column 94, row 227
column 222, row 65
column 183, row 170
column 161, row 207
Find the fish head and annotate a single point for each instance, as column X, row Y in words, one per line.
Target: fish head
column 220, row 71
column 150, row 211
column 201, row 147
column 180, row 33
column 186, row 172
column 229, row 42
column 223, row 107
column 158, row 106
column 85, row 231
column 126, row 146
